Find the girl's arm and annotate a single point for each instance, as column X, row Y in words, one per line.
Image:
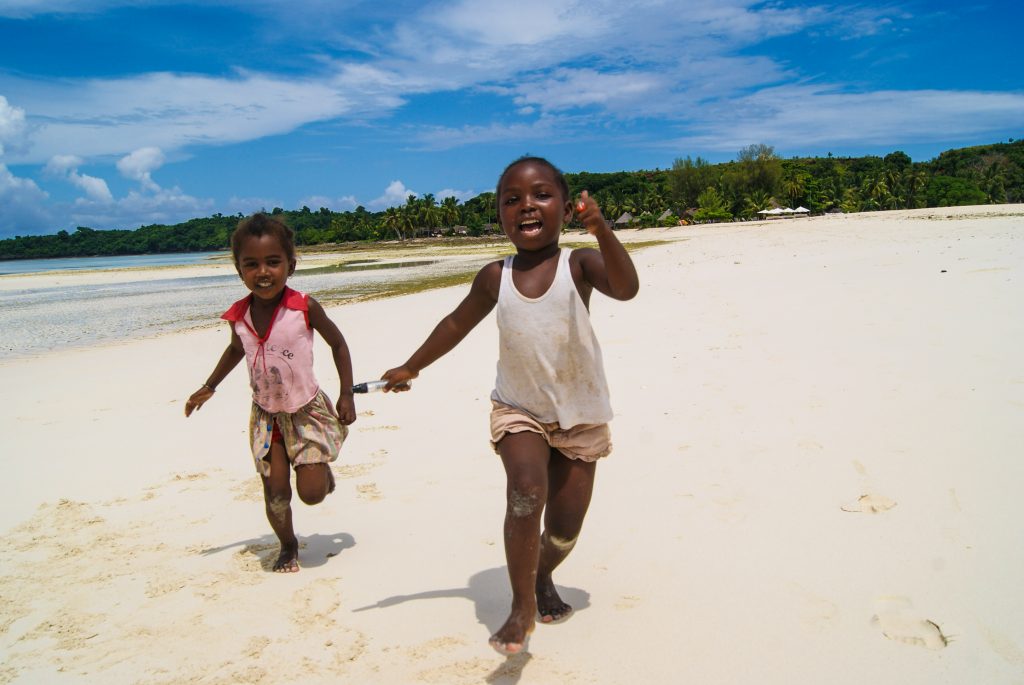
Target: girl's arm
column 482, row 297
column 323, row 325
column 611, row 269
column 228, row 361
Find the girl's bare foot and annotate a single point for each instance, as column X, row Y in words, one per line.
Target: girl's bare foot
column 512, row 637
column 288, row 560
column 549, row 605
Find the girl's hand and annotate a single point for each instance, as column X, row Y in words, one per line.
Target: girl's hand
column 589, row 214
column 398, row 379
column 346, row 407
column 198, row 399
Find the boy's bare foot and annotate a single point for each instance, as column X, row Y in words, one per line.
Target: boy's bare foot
column 288, row 560
column 549, row 605
column 512, row 637
column 330, row 479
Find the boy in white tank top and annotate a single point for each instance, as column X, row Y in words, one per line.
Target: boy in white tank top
column 551, row 409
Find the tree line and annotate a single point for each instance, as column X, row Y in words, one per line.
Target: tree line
column 693, row 189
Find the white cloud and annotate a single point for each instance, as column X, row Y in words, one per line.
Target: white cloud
column 395, row 194
column 808, row 117
column 645, row 58
column 23, row 206
column 335, row 204
column 98, row 117
column 460, row 195
column 166, row 206
column 66, row 167
column 250, row 205
column 60, row 165
column 445, row 138
column 140, row 163
column 12, row 125
column 572, row 88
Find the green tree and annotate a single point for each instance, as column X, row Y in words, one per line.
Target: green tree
column 688, row 179
column 712, row 206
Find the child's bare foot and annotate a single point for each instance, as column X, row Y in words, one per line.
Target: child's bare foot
column 549, row 605
column 330, row 479
column 512, row 637
column 288, row 560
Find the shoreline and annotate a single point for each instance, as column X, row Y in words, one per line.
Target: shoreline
column 816, row 429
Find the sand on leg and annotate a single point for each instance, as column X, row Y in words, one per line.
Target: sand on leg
column 525, row 456
column 570, row 486
column 277, row 495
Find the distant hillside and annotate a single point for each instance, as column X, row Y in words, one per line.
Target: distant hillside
column 692, row 188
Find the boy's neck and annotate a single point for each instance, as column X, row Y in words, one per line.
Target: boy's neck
column 534, row 257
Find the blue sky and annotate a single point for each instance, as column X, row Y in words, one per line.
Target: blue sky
column 118, row 113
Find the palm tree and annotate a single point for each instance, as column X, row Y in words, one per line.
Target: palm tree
column 429, row 214
column 755, row 202
column 915, row 185
column 397, row 220
column 795, row 186
column 613, row 208
column 449, row 211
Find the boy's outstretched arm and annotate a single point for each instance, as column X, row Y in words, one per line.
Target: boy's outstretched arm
column 228, row 361
column 611, row 271
column 482, row 297
column 327, row 329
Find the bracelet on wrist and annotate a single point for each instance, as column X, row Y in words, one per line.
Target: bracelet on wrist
column 209, row 387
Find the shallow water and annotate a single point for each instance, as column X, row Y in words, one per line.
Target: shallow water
column 40, row 320
column 28, row 266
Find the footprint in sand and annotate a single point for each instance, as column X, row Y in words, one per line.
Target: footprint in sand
column 627, row 602
column 898, row 621
column 316, row 604
column 869, row 504
column 249, row 490
column 368, row 491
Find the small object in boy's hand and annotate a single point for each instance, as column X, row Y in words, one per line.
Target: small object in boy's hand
column 580, row 206
column 374, row 386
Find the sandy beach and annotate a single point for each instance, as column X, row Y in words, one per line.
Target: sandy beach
column 816, row 479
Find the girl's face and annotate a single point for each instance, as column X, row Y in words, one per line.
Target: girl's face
column 531, row 206
column 264, row 266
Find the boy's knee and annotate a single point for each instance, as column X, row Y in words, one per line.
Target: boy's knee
column 563, row 543
column 523, row 502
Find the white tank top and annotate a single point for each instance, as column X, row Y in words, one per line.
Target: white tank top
column 549, row 361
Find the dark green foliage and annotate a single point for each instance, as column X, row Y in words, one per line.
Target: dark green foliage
column 984, row 174
column 949, row 191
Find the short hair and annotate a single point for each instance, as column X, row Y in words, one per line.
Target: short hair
column 259, row 225
column 559, row 176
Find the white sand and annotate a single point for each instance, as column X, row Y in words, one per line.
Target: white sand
column 816, row 479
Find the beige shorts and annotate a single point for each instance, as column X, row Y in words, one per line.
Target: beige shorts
column 586, row 442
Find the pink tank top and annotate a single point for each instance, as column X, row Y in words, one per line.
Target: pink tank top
column 281, row 362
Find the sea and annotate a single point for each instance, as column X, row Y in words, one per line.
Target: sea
column 40, row 320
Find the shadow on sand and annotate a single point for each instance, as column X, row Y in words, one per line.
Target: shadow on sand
column 314, row 550
column 491, row 597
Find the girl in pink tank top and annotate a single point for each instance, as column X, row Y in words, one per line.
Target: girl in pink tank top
column 292, row 423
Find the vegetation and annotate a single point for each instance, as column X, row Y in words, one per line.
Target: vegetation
column 692, row 189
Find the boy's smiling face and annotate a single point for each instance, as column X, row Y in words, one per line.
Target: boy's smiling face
column 532, row 206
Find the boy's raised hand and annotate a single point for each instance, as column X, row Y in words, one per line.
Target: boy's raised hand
column 197, row 399
column 589, row 213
